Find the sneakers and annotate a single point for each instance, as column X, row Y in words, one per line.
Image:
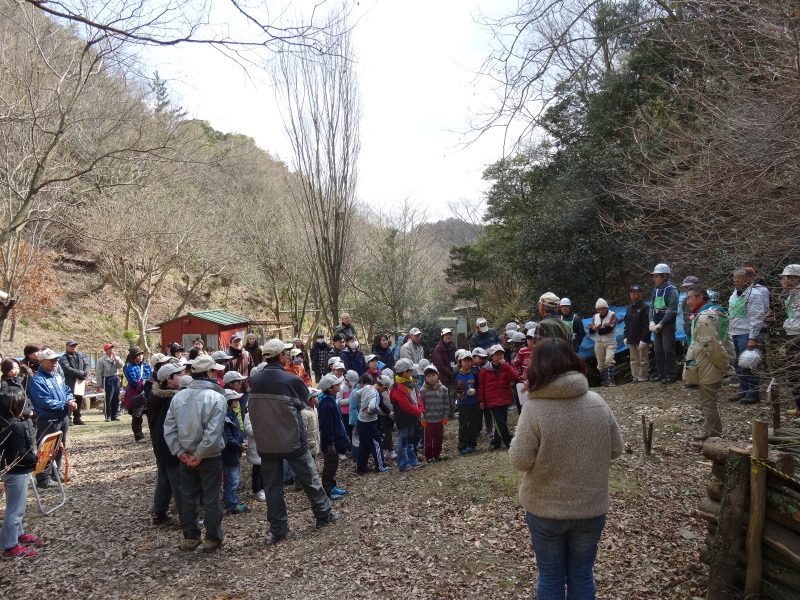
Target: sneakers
column 470, row 449
column 19, row 551
column 339, row 491
column 27, row 538
column 393, row 455
column 490, row 433
column 464, row 452
column 190, row 545
column 108, row 419
column 236, row 510
column 331, row 518
column 334, row 496
column 261, row 496
column 384, row 469
column 159, row 518
column 211, row 545
column 45, row 483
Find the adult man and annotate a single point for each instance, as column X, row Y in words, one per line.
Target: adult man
column 551, row 325
column 75, row 366
column 604, row 328
column 336, row 351
column 685, row 312
column 320, row 352
column 790, row 281
column 637, row 335
column 444, row 359
column 578, row 331
column 194, row 432
column 107, row 372
column 412, row 349
column 277, row 399
column 663, row 313
column 346, row 328
column 52, row 401
column 484, row 337
column 747, row 307
column 708, row 358
column 242, row 363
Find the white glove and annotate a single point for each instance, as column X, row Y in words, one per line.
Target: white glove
column 625, row 342
column 652, row 326
column 472, row 392
column 658, row 328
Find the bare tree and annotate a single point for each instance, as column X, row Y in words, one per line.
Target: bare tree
column 321, row 111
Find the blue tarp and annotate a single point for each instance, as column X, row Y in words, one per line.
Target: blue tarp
column 587, row 346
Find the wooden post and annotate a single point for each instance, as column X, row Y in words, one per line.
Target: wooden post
column 728, row 539
column 774, row 401
column 647, row 435
column 758, row 504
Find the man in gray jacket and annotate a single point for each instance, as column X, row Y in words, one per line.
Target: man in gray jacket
column 412, row 349
column 277, row 399
column 76, row 368
column 194, row 432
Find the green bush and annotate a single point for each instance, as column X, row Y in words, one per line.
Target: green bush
column 24, row 321
column 47, row 325
column 131, row 336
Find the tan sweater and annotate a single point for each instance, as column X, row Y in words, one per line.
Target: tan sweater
column 565, row 440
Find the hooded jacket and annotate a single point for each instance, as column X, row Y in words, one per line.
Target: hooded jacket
column 407, row 404
column 494, row 384
column 711, row 352
column 195, row 420
column 276, row 401
column 17, row 446
column 158, row 401
column 331, row 427
column 354, row 361
column 557, row 425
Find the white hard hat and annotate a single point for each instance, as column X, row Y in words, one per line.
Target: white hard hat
column 791, row 270
column 750, row 359
column 662, row 269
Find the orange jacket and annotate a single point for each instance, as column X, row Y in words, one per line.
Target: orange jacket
column 300, row 371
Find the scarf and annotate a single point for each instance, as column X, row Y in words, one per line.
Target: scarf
column 407, row 381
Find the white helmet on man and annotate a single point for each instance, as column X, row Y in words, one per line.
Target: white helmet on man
column 791, row 270
column 750, row 359
column 662, row 269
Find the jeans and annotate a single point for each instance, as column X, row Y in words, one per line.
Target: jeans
column 369, row 444
column 230, row 482
column 201, row 484
column 16, row 501
column 112, row 389
column 168, row 487
column 664, row 349
column 406, row 453
column 748, row 382
column 305, row 470
column 565, row 553
column 46, row 427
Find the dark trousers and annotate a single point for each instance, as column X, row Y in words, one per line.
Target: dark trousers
column 369, row 445
column 501, row 434
column 387, row 424
column 168, row 487
column 330, row 465
column 487, row 417
column 136, row 427
column 76, row 414
column 201, row 484
column 256, row 479
column 469, row 425
column 664, row 349
column 112, row 389
column 434, row 434
column 46, row 427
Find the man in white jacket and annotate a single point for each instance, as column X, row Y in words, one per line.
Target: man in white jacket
column 749, row 303
column 790, row 281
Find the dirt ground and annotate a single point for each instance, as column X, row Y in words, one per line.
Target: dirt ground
column 451, row 530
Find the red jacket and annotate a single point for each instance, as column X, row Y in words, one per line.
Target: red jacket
column 521, row 362
column 405, row 413
column 494, row 390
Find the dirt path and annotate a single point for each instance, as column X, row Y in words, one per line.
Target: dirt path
column 450, row 530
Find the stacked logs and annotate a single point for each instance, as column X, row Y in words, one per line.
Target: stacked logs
column 727, row 509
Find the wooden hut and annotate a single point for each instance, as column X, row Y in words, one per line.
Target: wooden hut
column 215, row 327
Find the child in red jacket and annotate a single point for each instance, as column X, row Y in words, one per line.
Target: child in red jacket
column 494, row 392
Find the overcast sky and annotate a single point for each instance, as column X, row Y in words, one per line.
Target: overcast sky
column 416, row 61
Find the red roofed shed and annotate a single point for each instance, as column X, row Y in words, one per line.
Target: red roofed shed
column 215, row 327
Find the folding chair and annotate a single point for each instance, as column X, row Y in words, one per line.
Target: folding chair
column 48, row 450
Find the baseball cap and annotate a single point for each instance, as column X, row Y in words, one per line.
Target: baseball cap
column 430, row 369
column 518, row 337
column 47, row 354
column 168, row 370
column 446, row 330
column 186, row 380
column 107, row 346
column 221, row 355
column 635, row 288
column 482, row 324
column 328, row 381
column 235, row 337
column 690, row 280
column 175, row 347
column 159, row 358
column 462, row 354
column 295, row 352
column 369, row 357
column 549, row 299
column 403, row 365
column 337, row 365
column 478, row 352
column 232, row 376
column 385, row 381
column 71, row 343
column 414, row 331
column 232, row 395
column 495, row 348
column 274, row 347
column 206, row 363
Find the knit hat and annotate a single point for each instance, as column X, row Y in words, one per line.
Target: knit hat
column 601, row 303
column 133, row 352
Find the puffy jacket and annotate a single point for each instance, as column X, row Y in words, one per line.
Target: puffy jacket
column 411, row 351
column 331, row 427
column 312, row 429
column 75, row 366
column 354, row 361
column 195, row 420
column 234, row 438
column 385, row 355
column 444, row 355
column 158, row 401
column 521, row 362
column 484, row 340
column 276, row 401
column 494, row 387
column 49, row 395
column 17, row 446
column 709, row 357
column 406, row 412
column 252, row 449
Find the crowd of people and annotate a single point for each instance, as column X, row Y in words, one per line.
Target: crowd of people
column 206, row 410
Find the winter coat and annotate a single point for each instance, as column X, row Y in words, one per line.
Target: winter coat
column 158, row 401
column 75, row 366
column 312, row 429
column 443, row 358
column 195, row 420
column 234, row 439
column 436, row 401
column 345, row 330
column 300, row 371
column 255, row 352
column 521, row 362
column 407, row 404
column 276, row 401
column 484, row 340
column 135, row 373
column 49, row 395
column 242, row 363
column 559, row 422
column 711, row 352
column 747, row 310
column 18, row 453
column 637, row 325
column 494, row 388
column 252, row 450
column 384, row 355
column 411, row 351
column 331, row 427
column 319, row 357
column 354, row 361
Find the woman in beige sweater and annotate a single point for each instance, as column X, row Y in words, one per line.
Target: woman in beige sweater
column 565, row 440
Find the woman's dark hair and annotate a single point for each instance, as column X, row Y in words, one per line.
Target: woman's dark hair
column 12, row 401
column 7, row 365
column 376, row 343
column 194, row 353
column 550, row 358
column 349, row 338
column 366, row 380
column 31, row 349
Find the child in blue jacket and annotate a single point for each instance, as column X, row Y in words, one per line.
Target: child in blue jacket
column 333, row 438
column 235, row 444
